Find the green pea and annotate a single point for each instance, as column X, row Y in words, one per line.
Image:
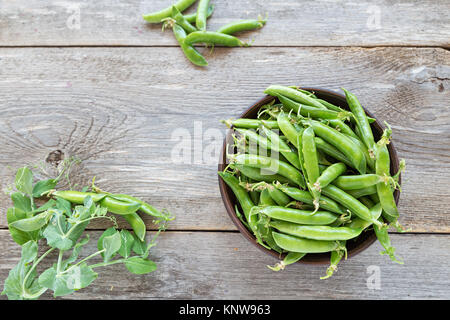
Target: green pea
column 284, row 148
column 340, row 141
column 77, row 197
column 291, row 257
column 119, row 207
column 280, row 167
column 296, row 95
column 260, row 174
column 358, row 193
column 210, row 37
column 361, row 119
column 355, row 182
column 298, row 216
column 137, row 224
column 329, row 175
column 193, row 16
column 350, row 203
column 189, row 51
column 316, row 232
column 202, row 13
column 295, row 244
column 242, row 25
column 384, row 190
column 251, row 123
column 304, row 196
column 156, row 17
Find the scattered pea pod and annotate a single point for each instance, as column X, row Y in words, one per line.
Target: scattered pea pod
column 189, row 51
column 211, row 37
column 193, row 16
column 158, row 16
column 242, row 25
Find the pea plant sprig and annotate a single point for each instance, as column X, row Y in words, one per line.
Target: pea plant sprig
column 61, row 223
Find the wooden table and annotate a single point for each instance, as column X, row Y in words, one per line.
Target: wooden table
column 119, row 94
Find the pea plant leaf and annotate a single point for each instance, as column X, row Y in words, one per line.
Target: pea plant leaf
column 106, row 233
column 33, row 223
column 43, row 186
column 21, row 282
column 21, row 201
column 20, row 237
column 127, row 243
column 55, row 232
column 138, row 265
column 66, row 282
column 64, row 206
column 139, row 247
column 111, row 244
column 24, row 180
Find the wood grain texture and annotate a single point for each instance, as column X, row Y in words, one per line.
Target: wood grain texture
column 211, row 265
column 122, row 110
column 291, row 22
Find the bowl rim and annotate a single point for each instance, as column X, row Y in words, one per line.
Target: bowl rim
column 225, row 191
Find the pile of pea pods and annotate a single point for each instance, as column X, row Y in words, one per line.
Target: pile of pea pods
column 191, row 29
column 310, row 177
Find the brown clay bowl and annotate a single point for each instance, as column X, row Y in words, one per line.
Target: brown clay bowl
column 353, row 246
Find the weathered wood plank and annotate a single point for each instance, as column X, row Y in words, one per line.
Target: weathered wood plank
column 291, row 23
column 122, row 110
column 205, row 265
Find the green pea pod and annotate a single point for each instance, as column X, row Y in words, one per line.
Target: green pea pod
column 369, row 158
column 137, row 224
column 340, row 141
column 156, row 17
column 361, row 120
column 340, row 126
column 298, row 216
column 244, row 200
column 350, row 203
column 331, row 151
column 119, row 207
column 316, row 232
column 336, row 257
column 77, row 197
column 285, row 125
column 181, row 20
column 193, row 16
column 242, row 25
column 308, row 111
column 33, row 223
column 304, row 196
column 144, row 206
column 211, row 37
column 383, row 237
column 202, row 13
column 284, row 148
column 296, row 95
column 278, row 196
column 295, row 244
column 291, row 257
column 329, row 175
column 251, row 123
column 265, row 199
column 260, row 174
column 358, row 193
column 311, row 164
column 193, row 55
column 356, row 182
column 384, row 190
column 280, row 167
column 263, row 142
